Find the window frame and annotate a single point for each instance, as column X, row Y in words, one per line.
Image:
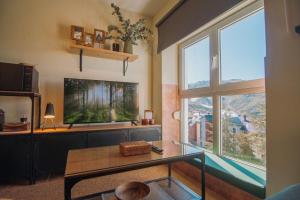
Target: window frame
column 217, row 89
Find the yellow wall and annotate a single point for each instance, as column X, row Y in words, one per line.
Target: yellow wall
column 38, row 32
column 282, row 94
column 158, row 67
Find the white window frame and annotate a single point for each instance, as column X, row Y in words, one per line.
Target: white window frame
column 216, row 89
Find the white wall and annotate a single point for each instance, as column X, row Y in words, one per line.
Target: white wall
column 38, row 32
column 283, row 94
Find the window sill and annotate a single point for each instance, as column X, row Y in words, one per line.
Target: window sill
column 245, row 177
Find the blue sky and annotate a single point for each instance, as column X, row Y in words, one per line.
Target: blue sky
column 243, row 48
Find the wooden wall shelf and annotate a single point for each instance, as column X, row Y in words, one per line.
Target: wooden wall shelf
column 103, row 53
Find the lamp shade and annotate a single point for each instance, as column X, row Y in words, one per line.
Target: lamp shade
column 49, row 111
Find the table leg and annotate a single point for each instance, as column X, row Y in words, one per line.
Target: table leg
column 169, row 174
column 202, row 158
column 68, row 187
column 169, row 170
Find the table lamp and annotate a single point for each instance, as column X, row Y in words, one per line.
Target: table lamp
column 49, row 115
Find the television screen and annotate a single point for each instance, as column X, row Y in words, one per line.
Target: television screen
column 94, row 101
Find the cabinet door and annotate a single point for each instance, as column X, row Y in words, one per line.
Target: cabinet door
column 107, row 138
column 51, row 150
column 15, row 156
column 147, row 134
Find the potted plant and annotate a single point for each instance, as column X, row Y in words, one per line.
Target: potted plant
column 129, row 33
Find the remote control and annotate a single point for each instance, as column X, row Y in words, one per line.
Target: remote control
column 157, row 149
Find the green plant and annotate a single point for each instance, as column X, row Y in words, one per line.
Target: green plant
column 128, row 32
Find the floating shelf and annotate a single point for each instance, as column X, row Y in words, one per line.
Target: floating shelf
column 103, row 53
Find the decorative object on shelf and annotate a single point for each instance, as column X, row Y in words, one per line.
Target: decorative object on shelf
column 116, row 47
column 49, row 115
column 145, row 121
column 88, row 39
column 128, row 33
column 23, row 118
column 134, row 148
column 18, row 126
column 99, row 36
column 132, row 191
column 148, row 118
column 77, row 33
column 2, row 119
column 148, row 114
column 128, row 47
column 151, row 121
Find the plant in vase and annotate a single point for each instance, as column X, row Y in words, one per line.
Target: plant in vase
column 129, row 33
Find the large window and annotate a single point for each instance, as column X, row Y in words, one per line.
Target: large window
column 223, row 91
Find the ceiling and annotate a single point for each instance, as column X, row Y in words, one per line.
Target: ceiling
column 144, row 7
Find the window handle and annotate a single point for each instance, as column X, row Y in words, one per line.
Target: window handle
column 214, row 62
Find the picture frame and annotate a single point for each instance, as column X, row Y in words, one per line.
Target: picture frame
column 148, row 114
column 77, row 33
column 99, row 36
column 88, row 39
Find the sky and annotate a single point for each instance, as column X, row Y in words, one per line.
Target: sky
column 242, row 52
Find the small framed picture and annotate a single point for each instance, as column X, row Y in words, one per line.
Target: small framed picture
column 77, row 33
column 148, row 114
column 88, row 39
column 99, row 36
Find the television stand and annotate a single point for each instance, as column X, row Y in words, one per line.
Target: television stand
column 70, row 126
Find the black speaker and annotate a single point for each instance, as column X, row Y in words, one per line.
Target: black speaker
column 18, row 77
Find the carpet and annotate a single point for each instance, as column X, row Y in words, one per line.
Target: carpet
column 52, row 188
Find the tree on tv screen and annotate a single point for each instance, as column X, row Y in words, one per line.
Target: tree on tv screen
column 92, row 101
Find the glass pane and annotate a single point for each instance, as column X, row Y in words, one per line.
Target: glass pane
column 196, row 64
column 244, row 127
column 243, row 48
column 200, row 122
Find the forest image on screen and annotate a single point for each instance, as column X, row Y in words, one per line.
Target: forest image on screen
column 94, row 101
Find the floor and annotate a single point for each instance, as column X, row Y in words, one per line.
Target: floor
column 51, row 188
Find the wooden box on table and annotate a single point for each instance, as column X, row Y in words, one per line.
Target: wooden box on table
column 135, row 148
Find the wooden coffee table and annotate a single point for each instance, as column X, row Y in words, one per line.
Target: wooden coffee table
column 95, row 162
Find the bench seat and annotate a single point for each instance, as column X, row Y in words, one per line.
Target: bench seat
column 247, row 178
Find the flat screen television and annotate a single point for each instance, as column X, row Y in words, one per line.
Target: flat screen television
column 97, row 101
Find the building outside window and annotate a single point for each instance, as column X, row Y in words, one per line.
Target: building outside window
column 223, row 89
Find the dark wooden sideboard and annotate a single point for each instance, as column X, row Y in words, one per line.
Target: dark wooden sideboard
column 51, row 147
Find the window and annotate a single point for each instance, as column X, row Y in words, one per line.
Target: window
column 223, row 91
column 200, row 122
column 243, row 125
column 242, row 53
column 197, row 64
